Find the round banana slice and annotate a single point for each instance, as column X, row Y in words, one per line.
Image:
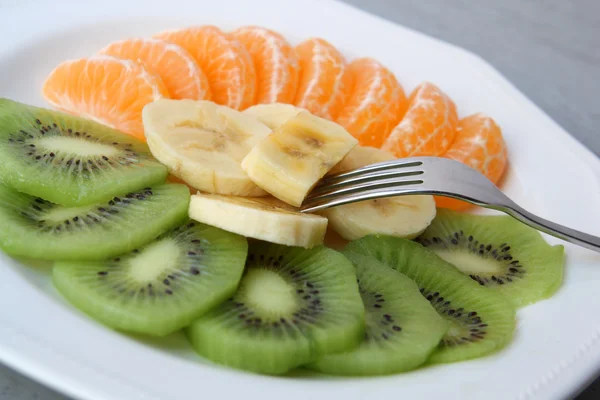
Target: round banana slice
column 292, row 159
column 203, row 143
column 264, row 218
column 273, row 115
column 403, row 216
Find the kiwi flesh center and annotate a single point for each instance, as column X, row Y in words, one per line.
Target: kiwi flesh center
column 60, row 214
column 155, row 260
column 471, row 264
column 81, row 147
column 486, row 263
column 268, row 293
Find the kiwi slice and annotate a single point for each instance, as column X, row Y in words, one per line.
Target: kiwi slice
column 481, row 321
column 292, row 307
column 498, row 252
column 161, row 287
column 402, row 330
column 69, row 160
column 36, row 228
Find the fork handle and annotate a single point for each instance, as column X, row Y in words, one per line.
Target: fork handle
column 562, row 232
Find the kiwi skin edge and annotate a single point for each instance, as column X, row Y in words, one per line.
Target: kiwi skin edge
column 292, row 307
column 499, row 253
column 69, row 160
column 493, row 313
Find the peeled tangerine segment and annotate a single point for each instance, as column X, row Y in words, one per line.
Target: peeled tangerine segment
column 161, row 287
column 264, row 218
column 69, row 160
column 402, row 216
column 107, row 89
column 203, row 144
column 498, row 252
column 290, row 161
column 481, row 321
column 292, row 307
column 35, row 228
column 402, row 331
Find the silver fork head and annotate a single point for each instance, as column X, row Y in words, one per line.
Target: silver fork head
column 436, row 176
column 407, row 176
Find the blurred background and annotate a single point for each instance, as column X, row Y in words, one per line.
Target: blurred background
column 550, row 49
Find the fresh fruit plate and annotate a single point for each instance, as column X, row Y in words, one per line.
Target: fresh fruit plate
column 153, row 159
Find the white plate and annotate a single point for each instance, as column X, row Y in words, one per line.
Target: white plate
column 557, row 346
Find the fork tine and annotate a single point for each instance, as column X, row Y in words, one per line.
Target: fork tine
column 381, row 166
column 365, row 177
column 379, row 184
column 313, row 205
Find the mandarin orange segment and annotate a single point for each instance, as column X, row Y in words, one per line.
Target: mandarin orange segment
column 277, row 68
column 224, row 60
column 478, row 144
column 106, row 89
column 376, row 102
column 176, row 67
column 428, row 127
column 321, row 89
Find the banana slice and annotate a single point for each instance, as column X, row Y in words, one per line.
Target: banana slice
column 290, row 161
column 404, row 216
column 264, row 218
column 203, row 143
column 273, row 115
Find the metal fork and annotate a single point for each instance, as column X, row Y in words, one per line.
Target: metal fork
column 435, row 176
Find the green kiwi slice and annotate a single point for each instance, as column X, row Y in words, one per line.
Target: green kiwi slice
column 498, row 252
column 161, row 287
column 481, row 321
column 36, row 228
column 292, row 306
column 402, row 329
column 69, row 160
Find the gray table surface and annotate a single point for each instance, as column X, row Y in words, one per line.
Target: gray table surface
column 550, row 49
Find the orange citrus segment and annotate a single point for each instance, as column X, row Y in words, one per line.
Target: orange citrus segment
column 320, row 88
column 224, row 60
column 175, row 66
column 376, row 102
column 478, row 144
column 428, row 127
column 106, row 89
column 277, row 68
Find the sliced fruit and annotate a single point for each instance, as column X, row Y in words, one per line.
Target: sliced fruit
column 35, row 228
column 161, row 287
column 69, row 160
column 402, row 328
column 178, row 70
column 203, row 144
column 321, row 89
column 223, row 59
column 498, row 252
column 263, row 218
column 376, row 103
column 290, row 161
column 273, row 115
column 277, row 68
column 292, row 307
column 482, row 322
column 403, row 216
column 106, row 89
column 428, row 127
column 478, row 144
column 174, row 179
